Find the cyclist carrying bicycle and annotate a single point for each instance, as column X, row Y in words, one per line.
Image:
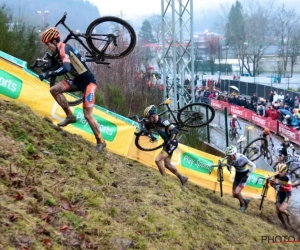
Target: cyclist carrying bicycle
column 233, row 124
column 283, row 185
column 242, row 174
column 168, row 132
column 283, row 153
column 266, row 132
column 72, row 62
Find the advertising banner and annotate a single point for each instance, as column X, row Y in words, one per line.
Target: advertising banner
column 241, row 112
column 290, row 132
column 219, row 105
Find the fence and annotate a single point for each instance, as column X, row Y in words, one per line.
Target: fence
column 261, row 90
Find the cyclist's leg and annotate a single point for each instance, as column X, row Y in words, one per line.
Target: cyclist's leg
column 169, row 149
column 240, row 182
column 159, row 162
column 282, row 200
column 62, row 87
column 88, row 105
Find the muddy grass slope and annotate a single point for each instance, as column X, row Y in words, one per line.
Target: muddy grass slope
column 58, row 193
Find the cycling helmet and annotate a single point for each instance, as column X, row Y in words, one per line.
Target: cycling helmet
column 267, row 130
column 49, row 34
column 282, row 168
column 150, row 110
column 286, row 139
column 234, row 116
column 230, row 150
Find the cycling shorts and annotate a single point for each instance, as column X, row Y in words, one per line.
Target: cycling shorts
column 283, row 197
column 169, row 148
column 241, row 179
column 88, row 90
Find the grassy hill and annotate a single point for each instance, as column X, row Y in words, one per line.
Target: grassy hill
column 57, row 193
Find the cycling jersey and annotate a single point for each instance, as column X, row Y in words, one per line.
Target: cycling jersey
column 74, row 63
column 164, row 128
column 168, row 133
column 241, row 171
column 240, row 163
column 233, row 123
column 285, row 191
column 284, row 181
column 284, row 147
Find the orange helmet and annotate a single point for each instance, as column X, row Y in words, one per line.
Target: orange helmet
column 49, row 34
column 267, row 130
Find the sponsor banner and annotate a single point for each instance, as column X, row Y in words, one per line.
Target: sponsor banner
column 219, row 105
column 10, row 85
column 240, row 112
column 291, row 133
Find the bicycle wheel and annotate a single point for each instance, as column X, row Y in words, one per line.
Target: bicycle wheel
column 253, row 150
column 295, row 175
column 269, row 158
column 73, row 100
column 110, row 37
column 263, row 195
column 145, row 143
column 196, row 115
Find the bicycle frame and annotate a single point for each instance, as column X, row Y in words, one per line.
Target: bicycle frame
column 91, row 57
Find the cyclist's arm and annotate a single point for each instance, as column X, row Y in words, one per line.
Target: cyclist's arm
column 252, row 166
column 173, row 131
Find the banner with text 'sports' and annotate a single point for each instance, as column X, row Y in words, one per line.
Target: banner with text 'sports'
column 22, row 85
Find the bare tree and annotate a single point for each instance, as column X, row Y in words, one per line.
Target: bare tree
column 258, row 32
column 286, row 22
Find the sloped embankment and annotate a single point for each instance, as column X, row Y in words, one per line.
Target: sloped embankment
column 57, row 193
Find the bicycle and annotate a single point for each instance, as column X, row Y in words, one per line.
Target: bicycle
column 106, row 37
column 264, row 192
column 193, row 115
column 267, row 155
column 233, row 134
column 253, row 149
column 220, row 177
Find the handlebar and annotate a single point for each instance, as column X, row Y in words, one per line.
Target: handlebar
column 139, row 119
column 62, row 20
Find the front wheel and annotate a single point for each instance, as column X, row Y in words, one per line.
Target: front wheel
column 147, row 142
column 196, row 115
column 295, row 176
column 263, row 195
column 110, row 37
column 253, row 150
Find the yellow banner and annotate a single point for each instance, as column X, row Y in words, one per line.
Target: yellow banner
column 20, row 84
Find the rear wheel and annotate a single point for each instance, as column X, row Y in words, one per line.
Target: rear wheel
column 196, row 115
column 268, row 157
column 147, row 142
column 253, row 150
column 110, row 37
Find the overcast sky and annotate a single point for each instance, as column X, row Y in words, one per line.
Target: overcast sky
column 135, row 9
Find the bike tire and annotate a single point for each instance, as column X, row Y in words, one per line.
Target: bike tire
column 221, row 181
column 69, row 96
column 264, row 194
column 248, row 150
column 295, row 175
column 196, row 115
column 143, row 143
column 95, row 41
column 269, row 157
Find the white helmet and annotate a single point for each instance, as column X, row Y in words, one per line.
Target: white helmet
column 230, row 150
column 234, row 116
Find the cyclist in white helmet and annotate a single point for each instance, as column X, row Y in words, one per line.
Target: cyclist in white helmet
column 242, row 174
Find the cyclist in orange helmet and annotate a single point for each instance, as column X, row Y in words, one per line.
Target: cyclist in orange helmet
column 266, row 132
column 72, row 62
column 283, row 185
